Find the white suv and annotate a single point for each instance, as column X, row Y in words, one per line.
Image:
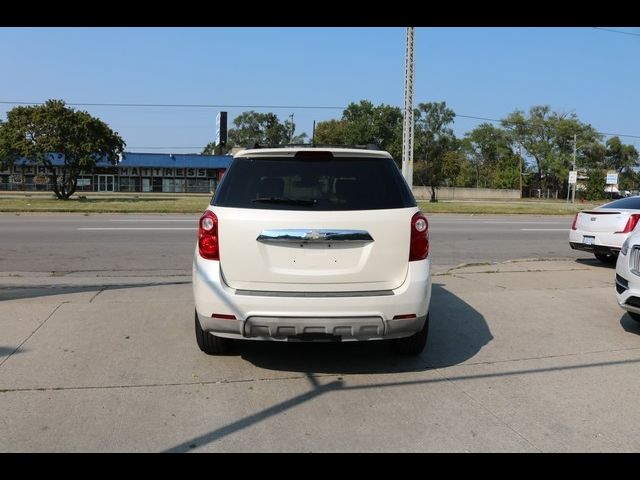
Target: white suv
column 312, row 243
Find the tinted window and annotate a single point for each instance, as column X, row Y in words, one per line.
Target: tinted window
column 314, row 184
column 629, row 202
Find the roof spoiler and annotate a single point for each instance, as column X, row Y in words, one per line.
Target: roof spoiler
column 369, row 146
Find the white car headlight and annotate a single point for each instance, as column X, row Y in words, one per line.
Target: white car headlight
column 625, row 246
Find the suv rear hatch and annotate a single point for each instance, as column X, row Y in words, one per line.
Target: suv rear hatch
column 314, row 222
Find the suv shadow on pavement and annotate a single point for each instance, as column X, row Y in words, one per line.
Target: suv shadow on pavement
column 456, row 333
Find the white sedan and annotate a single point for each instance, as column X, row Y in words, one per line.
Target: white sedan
column 628, row 276
column 603, row 230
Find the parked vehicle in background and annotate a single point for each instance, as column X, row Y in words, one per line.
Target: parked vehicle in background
column 604, row 229
column 310, row 243
column 628, row 276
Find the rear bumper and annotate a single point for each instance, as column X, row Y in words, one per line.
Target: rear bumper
column 593, row 248
column 358, row 317
column 328, row 328
column 602, row 241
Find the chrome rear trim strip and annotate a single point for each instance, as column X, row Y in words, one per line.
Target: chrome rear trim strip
column 263, row 293
column 310, row 235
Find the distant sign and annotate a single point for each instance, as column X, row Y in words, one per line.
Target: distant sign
column 612, row 178
column 221, row 128
column 573, row 177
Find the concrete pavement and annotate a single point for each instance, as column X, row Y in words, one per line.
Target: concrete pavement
column 522, row 356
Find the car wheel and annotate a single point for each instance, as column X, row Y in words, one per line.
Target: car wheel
column 414, row 344
column 608, row 257
column 635, row 316
column 208, row 343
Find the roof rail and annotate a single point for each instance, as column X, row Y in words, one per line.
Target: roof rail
column 369, row 146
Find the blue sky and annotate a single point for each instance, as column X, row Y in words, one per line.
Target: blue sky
column 479, row 71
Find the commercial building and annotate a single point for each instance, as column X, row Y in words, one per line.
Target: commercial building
column 134, row 172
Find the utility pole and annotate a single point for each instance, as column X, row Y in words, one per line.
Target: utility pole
column 575, row 143
column 407, row 127
column 520, row 168
column 291, row 133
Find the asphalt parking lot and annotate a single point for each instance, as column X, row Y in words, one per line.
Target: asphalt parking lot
column 522, row 356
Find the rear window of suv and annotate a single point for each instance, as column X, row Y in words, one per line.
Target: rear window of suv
column 322, row 184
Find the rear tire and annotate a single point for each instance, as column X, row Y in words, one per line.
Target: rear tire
column 608, row 257
column 412, row 345
column 635, row 316
column 208, row 343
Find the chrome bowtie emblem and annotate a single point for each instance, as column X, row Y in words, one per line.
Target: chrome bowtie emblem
column 593, row 219
column 314, row 235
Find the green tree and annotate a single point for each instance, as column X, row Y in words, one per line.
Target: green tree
column 594, row 156
column 433, row 140
column 362, row 124
column 490, row 150
column 547, row 137
column 4, row 162
column 210, row 149
column 257, row 128
column 533, row 134
column 466, row 175
column 294, row 139
column 331, row 132
column 596, row 184
column 35, row 132
column 620, row 157
column 252, row 127
column 263, row 128
column 628, row 180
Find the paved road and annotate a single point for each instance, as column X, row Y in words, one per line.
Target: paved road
column 150, row 244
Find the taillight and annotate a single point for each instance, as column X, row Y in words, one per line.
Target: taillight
column 631, row 223
column 208, row 244
column 419, row 246
column 575, row 220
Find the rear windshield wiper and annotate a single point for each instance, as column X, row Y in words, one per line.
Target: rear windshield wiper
column 288, row 201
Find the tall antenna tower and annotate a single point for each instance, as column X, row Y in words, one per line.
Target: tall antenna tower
column 407, row 126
